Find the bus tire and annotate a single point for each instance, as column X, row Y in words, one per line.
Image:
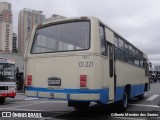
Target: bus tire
column 124, row 102
column 79, row 105
column 2, row 100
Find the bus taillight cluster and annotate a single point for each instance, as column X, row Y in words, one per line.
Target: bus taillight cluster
column 83, row 80
column 29, row 80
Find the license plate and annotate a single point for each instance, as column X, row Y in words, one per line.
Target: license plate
column 54, row 82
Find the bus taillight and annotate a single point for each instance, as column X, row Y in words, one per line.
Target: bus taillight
column 29, row 80
column 83, row 80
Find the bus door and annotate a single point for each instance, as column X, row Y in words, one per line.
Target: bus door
column 112, row 76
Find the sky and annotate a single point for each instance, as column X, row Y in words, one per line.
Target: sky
column 136, row 20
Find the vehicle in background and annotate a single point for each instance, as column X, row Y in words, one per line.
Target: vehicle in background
column 7, row 79
column 154, row 77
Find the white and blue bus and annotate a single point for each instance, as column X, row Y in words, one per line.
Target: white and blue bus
column 82, row 60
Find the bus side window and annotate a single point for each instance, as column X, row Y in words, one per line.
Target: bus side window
column 102, row 40
column 111, row 60
column 116, row 41
column 146, row 67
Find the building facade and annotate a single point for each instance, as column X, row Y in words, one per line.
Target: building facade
column 6, row 27
column 27, row 20
column 14, row 43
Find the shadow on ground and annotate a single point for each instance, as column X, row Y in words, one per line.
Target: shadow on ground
column 94, row 112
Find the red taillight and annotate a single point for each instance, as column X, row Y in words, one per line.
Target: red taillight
column 29, row 80
column 83, row 80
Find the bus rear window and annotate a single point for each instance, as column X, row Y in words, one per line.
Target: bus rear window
column 70, row 36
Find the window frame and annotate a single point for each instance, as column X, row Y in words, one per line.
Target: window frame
column 104, row 40
column 121, row 41
column 58, row 23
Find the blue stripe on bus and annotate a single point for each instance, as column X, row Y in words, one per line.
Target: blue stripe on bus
column 119, row 93
column 135, row 91
column 104, row 93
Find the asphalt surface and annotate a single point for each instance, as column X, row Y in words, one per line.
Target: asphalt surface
column 59, row 110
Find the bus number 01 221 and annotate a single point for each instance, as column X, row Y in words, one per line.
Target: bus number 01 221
column 86, row 64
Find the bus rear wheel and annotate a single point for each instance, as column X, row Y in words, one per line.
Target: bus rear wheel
column 2, row 100
column 124, row 102
column 79, row 105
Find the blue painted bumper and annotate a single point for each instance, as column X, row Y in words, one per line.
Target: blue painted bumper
column 104, row 93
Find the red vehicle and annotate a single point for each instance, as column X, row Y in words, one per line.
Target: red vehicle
column 7, row 79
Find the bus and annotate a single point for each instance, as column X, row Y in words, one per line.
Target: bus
column 7, row 79
column 82, row 60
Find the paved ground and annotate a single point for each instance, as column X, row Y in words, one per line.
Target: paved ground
column 59, row 109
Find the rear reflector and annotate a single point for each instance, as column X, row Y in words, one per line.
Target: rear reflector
column 29, row 80
column 83, row 80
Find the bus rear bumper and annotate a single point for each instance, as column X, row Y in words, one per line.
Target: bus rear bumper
column 75, row 95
